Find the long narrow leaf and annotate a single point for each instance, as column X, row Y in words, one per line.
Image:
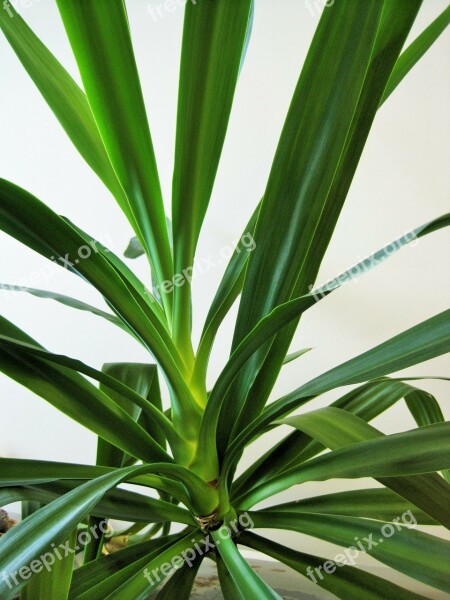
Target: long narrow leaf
column 180, row 584
column 430, row 492
column 88, row 576
column 419, row 451
column 52, row 523
column 227, row 586
column 247, row 582
column 100, row 38
column 28, row 220
column 72, row 394
column 214, row 37
column 426, row 411
column 366, row 401
column 424, row 341
column 345, row 582
column 377, row 503
column 137, row 377
column 124, row 393
column 14, row 472
column 53, row 582
column 415, row 51
column 270, row 325
column 67, row 301
column 229, row 289
column 67, row 101
column 149, row 575
column 116, row 504
column 412, row 552
column 337, row 96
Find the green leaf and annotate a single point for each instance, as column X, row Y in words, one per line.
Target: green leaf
column 158, row 425
column 67, row 301
column 14, row 472
column 294, row 355
column 344, row 581
column 229, row 289
column 247, row 582
column 116, row 504
column 375, row 503
column 138, row 377
column 18, row 471
column 146, row 420
column 426, row 411
column 284, row 313
column 54, row 582
column 151, row 573
column 52, row 523
column 229, row 589
column 366, row 401
column 415, row 51
column 146, row 301
column 181, row 582
column 231, row 283
column 214, row 37
column 422, row 450
column 143, row 297
column 100, row 39
column 221, row 399
column 88, row 576
column 422, row 342
column 430, row 492
column 143, row 379
column 72, row 394
column 28, row 220
column 320, row 127
column 424, row 408
column 426, row 340
column 134, row 249
column 67, row 101
column 336, row 99
column 412, row 552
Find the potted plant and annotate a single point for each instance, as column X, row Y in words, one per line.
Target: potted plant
column 189, row 452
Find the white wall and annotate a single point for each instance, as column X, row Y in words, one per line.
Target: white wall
column 403, row 180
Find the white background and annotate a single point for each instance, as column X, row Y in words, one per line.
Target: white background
column 403, row 180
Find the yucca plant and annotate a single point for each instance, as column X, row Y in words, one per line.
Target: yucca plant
column 188, row 453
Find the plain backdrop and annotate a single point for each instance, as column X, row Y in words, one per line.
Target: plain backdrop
column 403, row 180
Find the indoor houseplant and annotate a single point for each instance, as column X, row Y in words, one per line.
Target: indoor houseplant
column 190, row 452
